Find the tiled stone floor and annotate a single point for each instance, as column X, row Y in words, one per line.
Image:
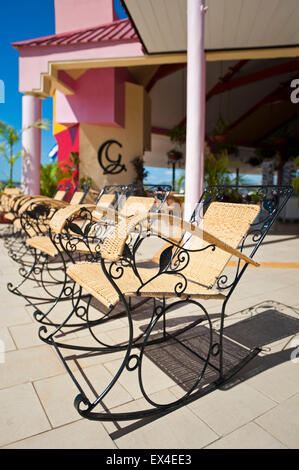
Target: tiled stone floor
column 260, row 408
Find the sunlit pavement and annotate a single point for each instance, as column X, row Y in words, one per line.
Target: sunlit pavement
column 259, row 410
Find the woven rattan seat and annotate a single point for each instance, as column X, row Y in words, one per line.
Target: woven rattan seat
column 45, row 245
column 203, row 269
column 90, row 276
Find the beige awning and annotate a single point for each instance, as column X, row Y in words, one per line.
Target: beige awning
column 260, row 28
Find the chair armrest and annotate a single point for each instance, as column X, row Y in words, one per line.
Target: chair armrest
column 14, row 199
column 42, row 200
column 104, row 211
column 202, row 234
column 60, row 218
column 17, row 203
column 123, row 229
column 113, row 244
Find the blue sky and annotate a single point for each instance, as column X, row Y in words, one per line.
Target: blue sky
column 20, row 20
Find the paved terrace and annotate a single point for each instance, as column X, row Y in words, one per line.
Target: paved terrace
column 260, row 409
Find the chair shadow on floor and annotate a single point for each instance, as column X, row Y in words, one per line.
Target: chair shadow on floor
column 265, row 325
column 269, row 325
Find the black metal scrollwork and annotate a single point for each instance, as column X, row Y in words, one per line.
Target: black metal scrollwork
column 110, row 167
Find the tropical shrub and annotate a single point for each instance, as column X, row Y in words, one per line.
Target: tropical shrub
column 9, row 137
column 50, row 175
column 216, row 167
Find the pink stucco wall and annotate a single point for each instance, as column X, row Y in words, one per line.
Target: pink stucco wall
column 98, row 99
column 71, row 15
column 35, row 60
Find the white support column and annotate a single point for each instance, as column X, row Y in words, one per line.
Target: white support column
column 196, row 103
column 31, row 142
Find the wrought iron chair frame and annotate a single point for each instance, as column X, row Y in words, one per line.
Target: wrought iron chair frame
column 15, row 241
column 66, row 242
column 41, row 259
column 272, row 199
column 37, row 212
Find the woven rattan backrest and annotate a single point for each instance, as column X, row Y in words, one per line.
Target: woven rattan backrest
column 12, row 191
column 59, row 195
column 105, row 201
column 6, row 197
column 114, row 242
column 137, row 205
column 229, row 222
column 77, row 197
column 113, row 245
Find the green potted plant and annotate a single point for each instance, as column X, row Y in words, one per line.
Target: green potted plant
column 178, row 136
column 85, row 180
column 174, row 155
column 141, row 173
column 282, row 135
column 219, row 133
column 260, row 154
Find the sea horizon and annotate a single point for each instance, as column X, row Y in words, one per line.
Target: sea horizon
column 158, row 175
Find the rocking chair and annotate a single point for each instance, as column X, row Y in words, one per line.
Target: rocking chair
column 190, row 272
column 52, row 253
column 35, row 218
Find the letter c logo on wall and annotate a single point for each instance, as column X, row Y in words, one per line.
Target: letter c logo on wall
column 110, row 166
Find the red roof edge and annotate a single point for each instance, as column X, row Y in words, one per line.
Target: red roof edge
column 54, row 37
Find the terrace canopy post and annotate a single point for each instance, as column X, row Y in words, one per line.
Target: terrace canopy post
column 31, row 143
column 196, row 96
